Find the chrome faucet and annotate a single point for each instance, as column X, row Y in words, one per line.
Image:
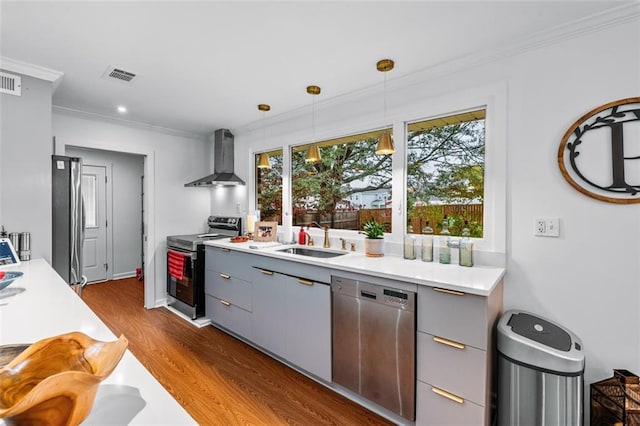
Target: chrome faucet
column 326, row 234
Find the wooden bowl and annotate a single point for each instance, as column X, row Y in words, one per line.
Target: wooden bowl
column 54, row 381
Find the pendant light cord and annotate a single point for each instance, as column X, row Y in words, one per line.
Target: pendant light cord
column 313, row 118
column 384, row 101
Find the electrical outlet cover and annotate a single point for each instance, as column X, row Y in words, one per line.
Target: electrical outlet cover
column 546, row 226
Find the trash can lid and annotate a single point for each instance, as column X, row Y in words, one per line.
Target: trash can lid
column 540, row 330
column 538, row 343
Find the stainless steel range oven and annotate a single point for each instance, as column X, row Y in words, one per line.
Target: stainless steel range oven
column 185, row 264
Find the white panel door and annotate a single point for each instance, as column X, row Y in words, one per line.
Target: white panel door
column 94, row 249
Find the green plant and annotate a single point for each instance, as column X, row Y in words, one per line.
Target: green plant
column 373, row 229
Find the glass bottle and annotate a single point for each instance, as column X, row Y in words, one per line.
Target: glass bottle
column 427, row 243
column 466, row 247
column 409, row 247
column 445, row 238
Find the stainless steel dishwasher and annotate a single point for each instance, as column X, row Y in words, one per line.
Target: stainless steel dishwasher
column 373, row 343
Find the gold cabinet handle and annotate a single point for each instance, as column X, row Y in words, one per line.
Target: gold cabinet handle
column 225, row 303
column 448, row 342
column 305, row 282
column 225, row 250
column 225, row 276
column 266, row 272
column 448, row 395
column 444, row 290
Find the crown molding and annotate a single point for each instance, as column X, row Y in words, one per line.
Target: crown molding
column 609, row 18
column 119, row 121
column 619, row 15
column 31, row 70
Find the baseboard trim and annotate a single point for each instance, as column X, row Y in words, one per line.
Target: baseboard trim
column 198, row 322
column 123, row 275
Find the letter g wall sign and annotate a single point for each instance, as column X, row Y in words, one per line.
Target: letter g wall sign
column 600, row 153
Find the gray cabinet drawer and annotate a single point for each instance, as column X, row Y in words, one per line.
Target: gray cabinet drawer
column 461, row 371
column 234, row 263
column 229, row 316
column 455, row 315
column 229, row 288
column 292, row 268
column 434, row 409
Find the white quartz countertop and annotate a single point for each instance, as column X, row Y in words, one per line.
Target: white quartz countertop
column 40, row 304
column 480, row 280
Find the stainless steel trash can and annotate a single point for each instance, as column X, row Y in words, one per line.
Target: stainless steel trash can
column 540, row 372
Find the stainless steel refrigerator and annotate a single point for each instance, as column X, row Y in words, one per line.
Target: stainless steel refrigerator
column 67, row 219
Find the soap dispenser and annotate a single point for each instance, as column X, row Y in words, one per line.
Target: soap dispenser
column 302, row 236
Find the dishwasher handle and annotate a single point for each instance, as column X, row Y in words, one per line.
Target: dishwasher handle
column 368, row 294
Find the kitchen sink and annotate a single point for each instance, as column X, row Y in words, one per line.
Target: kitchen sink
column 303, row 251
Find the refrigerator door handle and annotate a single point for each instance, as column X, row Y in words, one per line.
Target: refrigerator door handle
column 83, row 225
column 77, row 222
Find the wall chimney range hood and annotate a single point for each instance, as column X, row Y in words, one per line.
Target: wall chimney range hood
column 222, row 162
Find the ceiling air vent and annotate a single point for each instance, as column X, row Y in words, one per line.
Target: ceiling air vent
column 119, row 74
column 10, row 84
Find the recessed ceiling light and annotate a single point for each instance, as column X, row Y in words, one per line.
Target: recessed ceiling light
column 122, row 109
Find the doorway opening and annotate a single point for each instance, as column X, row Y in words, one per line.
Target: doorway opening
column 112, row 186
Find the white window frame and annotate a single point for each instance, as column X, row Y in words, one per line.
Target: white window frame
column 491, row 98
column 414, row 107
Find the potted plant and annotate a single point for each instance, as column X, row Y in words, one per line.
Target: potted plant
column 374, row 242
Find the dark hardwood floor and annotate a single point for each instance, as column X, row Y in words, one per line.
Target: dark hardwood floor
column 218, row 379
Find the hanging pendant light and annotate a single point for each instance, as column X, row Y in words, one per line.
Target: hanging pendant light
column 385, row 142
column 263, row 162
column 313, row 154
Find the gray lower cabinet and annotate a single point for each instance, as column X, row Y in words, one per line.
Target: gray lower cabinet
column 282, row 306
column 308, row 305
column 228, row 291
column 269, row 314
column 229, row 316
column 435, row 409
column 292, row 318
column 455, row 356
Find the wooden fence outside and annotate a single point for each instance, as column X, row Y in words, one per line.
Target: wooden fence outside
column 456, row 213
column 355, row 219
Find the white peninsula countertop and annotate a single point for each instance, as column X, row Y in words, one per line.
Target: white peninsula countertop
column 479, row 280
column 40, row 304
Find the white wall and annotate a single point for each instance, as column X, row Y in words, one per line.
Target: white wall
column 170, row 161
column 588, row 279
column 124, row 206
column 25, row 164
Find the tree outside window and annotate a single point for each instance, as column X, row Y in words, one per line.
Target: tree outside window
column 342, row 189
column 445, row 173
column 269, row 188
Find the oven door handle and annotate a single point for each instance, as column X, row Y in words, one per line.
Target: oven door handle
column 190, row 254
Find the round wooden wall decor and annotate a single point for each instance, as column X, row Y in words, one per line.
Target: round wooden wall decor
column 600, row 153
